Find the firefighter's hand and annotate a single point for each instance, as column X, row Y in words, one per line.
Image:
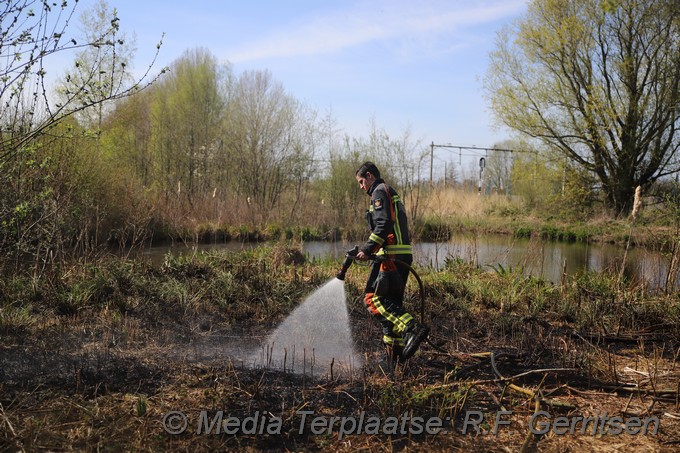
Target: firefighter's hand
column 361, row 256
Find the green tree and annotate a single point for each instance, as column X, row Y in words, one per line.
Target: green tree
column 577, row 198
column 126, row 136
column 186, row 115
column 534, row 176
column 597, row 81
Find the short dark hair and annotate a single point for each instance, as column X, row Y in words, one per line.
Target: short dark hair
column 368, row 167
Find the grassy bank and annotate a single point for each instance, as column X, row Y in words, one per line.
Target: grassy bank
column 97, row 354
column 450, row 211
column 654, row 237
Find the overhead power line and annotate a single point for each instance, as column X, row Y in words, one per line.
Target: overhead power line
column 460, row 148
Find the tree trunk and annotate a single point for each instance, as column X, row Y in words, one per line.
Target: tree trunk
column 621, row 198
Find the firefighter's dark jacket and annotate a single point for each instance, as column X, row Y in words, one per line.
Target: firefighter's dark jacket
column 386, row 218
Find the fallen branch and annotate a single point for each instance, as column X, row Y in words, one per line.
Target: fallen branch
column 637, row 390
column 531, row 439
column 623, row 338
column 502, row 379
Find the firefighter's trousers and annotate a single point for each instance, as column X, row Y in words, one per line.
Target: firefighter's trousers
column 385, row 303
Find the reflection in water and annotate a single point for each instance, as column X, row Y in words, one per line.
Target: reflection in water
column 545, row 259
column 550, row 260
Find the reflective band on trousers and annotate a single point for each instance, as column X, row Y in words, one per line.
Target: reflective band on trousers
column 400, row 322
column 393, row 341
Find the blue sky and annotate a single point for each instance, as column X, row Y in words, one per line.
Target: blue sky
column 413, row 65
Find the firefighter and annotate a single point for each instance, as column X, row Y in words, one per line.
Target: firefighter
column 384, row 293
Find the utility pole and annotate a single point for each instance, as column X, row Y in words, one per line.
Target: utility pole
column 431, row 161
column 482, row 164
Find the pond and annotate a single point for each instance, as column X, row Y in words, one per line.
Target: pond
column 545, row 259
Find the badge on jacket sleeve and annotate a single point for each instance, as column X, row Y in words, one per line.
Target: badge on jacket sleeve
column 377, row 204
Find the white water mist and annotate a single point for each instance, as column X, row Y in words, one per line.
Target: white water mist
column 315, row 337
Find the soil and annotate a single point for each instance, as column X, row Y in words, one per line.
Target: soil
column 96, row 382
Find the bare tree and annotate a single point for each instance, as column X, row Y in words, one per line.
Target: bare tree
column 266, row 140
column 31, row 32
column 498, row 166
column 98, row 71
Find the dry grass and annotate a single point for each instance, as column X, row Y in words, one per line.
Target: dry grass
column 452, row 203
column 91, row 395
column 104, row 376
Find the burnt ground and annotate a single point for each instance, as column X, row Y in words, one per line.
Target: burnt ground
column 94, row 381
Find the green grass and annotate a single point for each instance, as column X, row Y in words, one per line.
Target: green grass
column 260, row 286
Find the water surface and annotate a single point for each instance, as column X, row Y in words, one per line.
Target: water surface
column 540, row 258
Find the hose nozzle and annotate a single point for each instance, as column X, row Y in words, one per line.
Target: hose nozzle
column 349, row 258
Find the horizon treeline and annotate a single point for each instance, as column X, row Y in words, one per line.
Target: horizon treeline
column 200, row 146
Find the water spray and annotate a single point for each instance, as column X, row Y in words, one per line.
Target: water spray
column 315, row 338
column 351, row 256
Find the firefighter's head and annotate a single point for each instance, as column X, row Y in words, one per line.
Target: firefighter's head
column 367, row 174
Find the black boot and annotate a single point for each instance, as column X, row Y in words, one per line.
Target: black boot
column 412, row 339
